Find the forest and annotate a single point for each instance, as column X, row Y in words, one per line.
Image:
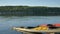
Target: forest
column 29, row 11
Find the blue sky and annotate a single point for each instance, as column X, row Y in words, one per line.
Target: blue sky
column 50, row 3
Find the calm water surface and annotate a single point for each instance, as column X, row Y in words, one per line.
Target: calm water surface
column 6, row 23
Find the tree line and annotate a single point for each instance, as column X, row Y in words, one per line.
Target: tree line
column 29, row 11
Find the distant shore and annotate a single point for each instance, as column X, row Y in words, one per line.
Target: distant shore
column 29, row 11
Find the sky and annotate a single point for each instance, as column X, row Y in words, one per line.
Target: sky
column 49, row 3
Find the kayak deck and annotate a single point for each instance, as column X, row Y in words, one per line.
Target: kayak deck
column 31, row 30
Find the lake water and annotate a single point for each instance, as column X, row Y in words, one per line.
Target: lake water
column 6, row 23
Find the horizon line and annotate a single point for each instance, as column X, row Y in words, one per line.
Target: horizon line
column 30, row 5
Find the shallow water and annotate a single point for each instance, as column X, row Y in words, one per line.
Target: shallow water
column 6, row 23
